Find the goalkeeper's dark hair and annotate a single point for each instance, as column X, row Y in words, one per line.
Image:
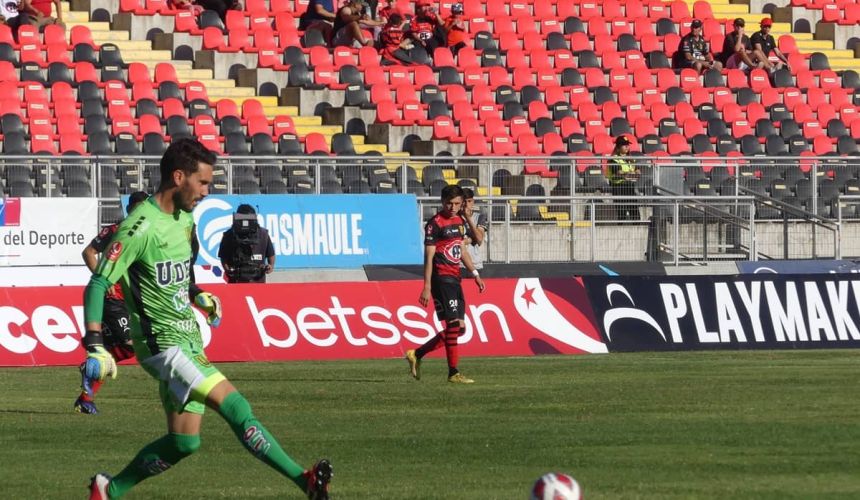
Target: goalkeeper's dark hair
column 185, row 155
column 450, row 192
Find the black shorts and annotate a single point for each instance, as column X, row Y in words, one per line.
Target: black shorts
column 116, row 326
column 448, row 298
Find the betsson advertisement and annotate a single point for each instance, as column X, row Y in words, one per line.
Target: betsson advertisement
column 522, row 317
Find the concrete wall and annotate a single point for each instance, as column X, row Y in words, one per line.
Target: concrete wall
column 616, row 241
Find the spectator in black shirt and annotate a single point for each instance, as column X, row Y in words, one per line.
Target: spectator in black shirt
column 694, row 50
column 738, row 52
column 763, row 42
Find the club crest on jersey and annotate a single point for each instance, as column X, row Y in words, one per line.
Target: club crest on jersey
column 115, row 251
column 168, row 272
column 452, row 252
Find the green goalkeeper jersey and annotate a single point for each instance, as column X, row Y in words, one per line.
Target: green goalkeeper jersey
column 150, row 256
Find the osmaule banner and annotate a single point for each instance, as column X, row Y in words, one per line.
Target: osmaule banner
column 726, row 312
column 273, row 322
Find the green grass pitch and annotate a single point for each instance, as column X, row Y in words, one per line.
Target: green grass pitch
column 652, row 425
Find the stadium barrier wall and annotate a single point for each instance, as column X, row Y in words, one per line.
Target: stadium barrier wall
column 765, row 311
column 319, row 231
column 279, row 322
column 513, row 317
column 43, row 231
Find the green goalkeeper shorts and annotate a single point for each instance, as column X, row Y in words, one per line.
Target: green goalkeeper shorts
column 185, row 377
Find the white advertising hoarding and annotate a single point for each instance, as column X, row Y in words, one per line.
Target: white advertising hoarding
column 46, row 231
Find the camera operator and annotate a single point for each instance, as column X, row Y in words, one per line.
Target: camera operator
column 246, row 252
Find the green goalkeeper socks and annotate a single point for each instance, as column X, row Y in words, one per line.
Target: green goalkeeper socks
column 153, row 459
column 237, row 412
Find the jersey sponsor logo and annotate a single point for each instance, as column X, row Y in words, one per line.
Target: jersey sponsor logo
column 115, row 251
column 168, row 272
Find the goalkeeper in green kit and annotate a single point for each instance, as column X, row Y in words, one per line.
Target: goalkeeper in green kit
column 150, row 256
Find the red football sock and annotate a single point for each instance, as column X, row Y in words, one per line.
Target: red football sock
column 430, row 346
column 95, row 385
column 452, row 333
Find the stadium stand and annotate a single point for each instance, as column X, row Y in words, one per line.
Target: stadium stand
column 537, row 78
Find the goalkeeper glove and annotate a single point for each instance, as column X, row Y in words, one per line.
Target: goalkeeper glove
column 211, row 305
column 97, row 367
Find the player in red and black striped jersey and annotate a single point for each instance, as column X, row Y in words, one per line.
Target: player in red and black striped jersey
column 443, row 252
column 116, row 328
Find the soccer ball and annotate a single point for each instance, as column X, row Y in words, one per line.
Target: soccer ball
column 556, row 486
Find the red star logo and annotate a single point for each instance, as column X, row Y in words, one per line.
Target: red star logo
column 528, row 296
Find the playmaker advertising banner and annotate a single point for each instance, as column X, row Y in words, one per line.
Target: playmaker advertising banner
column 310, row 231
column 726, row 312
column 513, row 317
column 45, row 231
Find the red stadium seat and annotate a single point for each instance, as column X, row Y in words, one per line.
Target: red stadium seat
column 477, row 145
column 503, row 145
column 283, row 124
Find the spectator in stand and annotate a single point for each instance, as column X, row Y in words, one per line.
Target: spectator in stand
column 762, row 41
column 738, row 52
column 455, row 27
column 320, row 16
column 15, row 14
column 187, row 5
column 351, row 18
column 393, row 46
column 694, row 50
column 426, row 27
column 43, row 12
column 386, row 11
column 220, row 6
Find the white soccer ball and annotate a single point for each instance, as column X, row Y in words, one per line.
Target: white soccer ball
column 556, row 486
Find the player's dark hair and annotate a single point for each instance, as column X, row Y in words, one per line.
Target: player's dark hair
column 450, row 192
column 135, row 198
column 395, row 20
column 468, row 194
column 185, row 155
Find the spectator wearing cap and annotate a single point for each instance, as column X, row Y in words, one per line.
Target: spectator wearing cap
column 622, row 178
column 737, row 49
column 762, row 41
column 426, row 27
column 455, row 27
column 694, row 50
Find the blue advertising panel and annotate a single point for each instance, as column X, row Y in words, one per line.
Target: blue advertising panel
column 798, row 267
column 346, row 231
